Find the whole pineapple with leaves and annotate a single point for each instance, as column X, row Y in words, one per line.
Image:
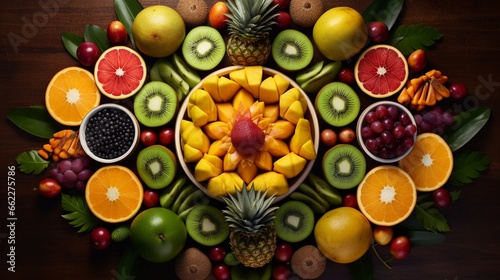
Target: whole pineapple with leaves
column 249, row 23
column 252, row 236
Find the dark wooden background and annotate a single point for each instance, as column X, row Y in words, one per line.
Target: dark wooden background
column 48, row 248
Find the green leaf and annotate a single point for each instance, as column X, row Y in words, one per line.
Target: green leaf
column 71, row 42
column 424, row 238
column 126, row 10
column 455, row 195
column 35, row 120
column 79, row 213
column 130, row 265
column 96, row 34
column 467, row 125
column 383, row 10
column 31, row 163
column 431, row 219
column 467, row 167
column 408, row 38
column 362, row 269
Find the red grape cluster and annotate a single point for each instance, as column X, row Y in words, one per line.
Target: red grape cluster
column 72, row 173
column 388, row 132
column 434, row 120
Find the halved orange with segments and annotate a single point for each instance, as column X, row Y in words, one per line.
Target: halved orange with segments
column 429, row 163
column 71, row 94
column 114, row 193
column 386, row 195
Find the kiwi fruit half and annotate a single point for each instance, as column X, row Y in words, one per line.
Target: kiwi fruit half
column 203, row 48
column 156, row 166
column 344, row 166
column 294, row 221
column 337, row 104
column 206, row 225
column 155, row 104
column 292, row 50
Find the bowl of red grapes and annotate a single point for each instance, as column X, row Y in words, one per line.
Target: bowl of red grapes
column 109, row 133
column 386, row 131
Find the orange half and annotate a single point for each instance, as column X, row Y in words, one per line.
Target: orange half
column 386, row 195
column 429, row 163
column 114, row 194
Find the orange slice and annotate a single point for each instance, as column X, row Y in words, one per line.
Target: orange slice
column 386, row 195
column 114, row 194
column 429, row 163
column 71, row 94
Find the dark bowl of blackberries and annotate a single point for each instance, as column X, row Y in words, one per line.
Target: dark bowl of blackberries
column 386, row 131
column 109, row 133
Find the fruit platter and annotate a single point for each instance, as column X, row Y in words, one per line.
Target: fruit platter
column 259, row 139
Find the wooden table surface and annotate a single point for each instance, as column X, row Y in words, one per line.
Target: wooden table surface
column 46, row 247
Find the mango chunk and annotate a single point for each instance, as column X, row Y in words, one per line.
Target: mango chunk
column 301, row 142
column 219, row 147
column 225, row 111
column 264, row 160
column 201, row 107
column 211, row 84
column 254, row 79
column 227, row 89
column 290, row 165
column 274, row 182
column 242, row 100
column 281, row 129
column 208, row 167
column 268, row 92
column 247, row 171
column 216, row 130
column 272, row 112
column 226, row 182
column 282, row 84
column 276, row 147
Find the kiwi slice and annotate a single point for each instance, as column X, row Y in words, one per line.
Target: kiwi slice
column 155, row 104
column 337, row 104
column 294, row 221
column 203, row 48
column 156, row 166
column 292, row 50
column 207, row 225
column 344, row 166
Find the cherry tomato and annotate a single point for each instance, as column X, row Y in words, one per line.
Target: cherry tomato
column 49, row 187
column 100, row 238
column 281, row 271
column 346, row 75
column 400, row 247
column 222, row 272
column 217, row 253
column 217, row 15
column 378, row 31
column 88, row 53
column 283, row 252
column 458, row 91
column 350, row 200
column 150, row 198
column 166, row 136
column 283, row 19
column 417, row 60
column 347, row 135
column 383, row 234
column 442, row 197
column 328, row 137
column 149, row 137
column 116, row 33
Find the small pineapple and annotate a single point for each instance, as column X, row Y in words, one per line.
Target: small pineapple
column 252, row 236
column 249, row 24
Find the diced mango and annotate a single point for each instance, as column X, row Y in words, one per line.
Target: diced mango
column 272, row 112
column 211, row 84
column 219, row 147
column 227, row 182
column 247, row 171
column 295, row 112
column 225, row 111
column 231, row 160
column 281, row 129
column 254, row 79
column 227, row 89
column 290, row 165
column 276, row 147
column 301, row 142
column 264, row 160
column 274, row 182
column 240, row 77
column 268, row 92
column 242, row 100
column 208, row 167
column 191, row 154
column 216, row 130
column 282, row 84
column 201, row 101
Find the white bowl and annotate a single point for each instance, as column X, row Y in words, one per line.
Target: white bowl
column 83, row 139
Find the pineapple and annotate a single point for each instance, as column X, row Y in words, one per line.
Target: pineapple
column 249, row 24
column 252, row 236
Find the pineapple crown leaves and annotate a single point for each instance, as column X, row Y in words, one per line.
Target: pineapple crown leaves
column 249, row 210
column 250, row 18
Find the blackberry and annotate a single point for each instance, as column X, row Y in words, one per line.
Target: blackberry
column 109, row 133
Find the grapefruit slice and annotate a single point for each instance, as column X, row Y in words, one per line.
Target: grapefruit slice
column 120, row 72
column 429, row 163
column 114, row 194
column 386, row 195
column 70, row 95
column 381, row 71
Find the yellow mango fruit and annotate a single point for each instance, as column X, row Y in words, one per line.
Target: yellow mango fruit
column 294, row 113
column 254, row 79
column 201, row 107
column 191, row 154
column 257, row 109
column 211, row 84
column 290, row 165
column 242, row 100
column 247, row 171
column 240, row 77
column 227, row 89
column 225, row 111
column 219, row 147
column 268, row 92
column 282, row 83
column 301, row 142
column 194, row 141
column 264, row 160
column 292, row 104
column 272, row 112
column 280, row 129
column 274, row 182
column 276, row 147
column 226, row 182
column 216, row 130
column 231, row 160
column 208, row 167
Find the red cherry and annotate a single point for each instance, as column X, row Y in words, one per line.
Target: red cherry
column 458, row 91
column 283, row 19
column 283, row 252
column 378, row 31
column 281, row 271
column 88, row 53
column 222, row 272
column 149, row 137
column 150, row 198
column 116, row 33
column 100, row 238
column 400, row 247
column 217, row 253
column 442, row 198
column 167, row 136
column 346, row 75
column 282, row 4
column 49, row 187
column 350, row 200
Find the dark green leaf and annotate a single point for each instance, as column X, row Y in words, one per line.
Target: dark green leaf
column 455, row 195
column 34, row 120
column 79, row 213
column 431, row 219
column 126, row 10
column 467, row 167
column 71, row 42
column 96, row 34
column 383, row 10
column 408, row 38
column 31, row 163
column 424, row 238
column 362, row 269
column 467, row 125
column 130, row 265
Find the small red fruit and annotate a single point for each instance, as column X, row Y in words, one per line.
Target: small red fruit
column 167, row 136
column 116, row 33
column 281, row 271
column 49, row 187
column 458, row 91
column 378, row 31
column 150, row 198
column 283, row 19
column 400, row 247
column 346, row 75
column 222, row 272
column 282, row 4
column 417, row 60
column 149, row 137
column 100, row 238
column 217, row 15
column 347, row 135
column 217, row 253
column 283, row 252
column 383, row 234
column 442, row 198
column 328, row 137
column 88, row 53
column 350, row 200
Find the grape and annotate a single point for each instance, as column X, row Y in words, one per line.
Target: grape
column 388, row 123
column 425, row 127
column 387, row 137
column 64, row 165
column 418, row 118
column 84, row 175
column 370, row 117
column 410, row 129
column 393, row 112
column 408, row 142
column 399, row 132
column 404, row 119
column 377, row 126
column 366, row 132
column 371, row 144
column 381, row 112
column 70, row 177
column 448, row 119
column 80, row 185
column 76, row 165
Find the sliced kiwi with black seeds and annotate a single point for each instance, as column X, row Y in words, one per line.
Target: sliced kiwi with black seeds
column 203, row 48
column 155, row 104
column 292, row 50
column 337, row 104
column 344, row 166
column 156, row 166
column 294, row 221
column 206, row 225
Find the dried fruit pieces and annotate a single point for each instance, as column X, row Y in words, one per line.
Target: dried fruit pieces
column 425, row 90
column 64, row 144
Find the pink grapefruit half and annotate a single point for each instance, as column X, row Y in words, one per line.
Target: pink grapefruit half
column 120, row 72
column 381, row 71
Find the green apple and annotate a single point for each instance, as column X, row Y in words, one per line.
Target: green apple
column 158, row 234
